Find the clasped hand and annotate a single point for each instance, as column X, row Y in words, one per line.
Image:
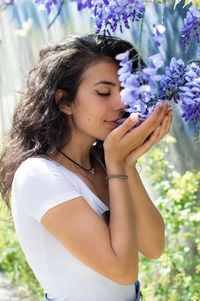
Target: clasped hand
column 123, row 147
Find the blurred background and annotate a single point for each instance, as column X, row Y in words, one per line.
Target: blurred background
column 170, row 171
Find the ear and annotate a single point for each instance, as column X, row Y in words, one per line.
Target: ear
column 64, row 107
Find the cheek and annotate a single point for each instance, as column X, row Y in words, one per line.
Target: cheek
column 85, row 121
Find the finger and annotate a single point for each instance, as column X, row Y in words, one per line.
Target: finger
column 155, row 119
column 128, row 124
column 144, row 130
column 168, row 125
column 164, row 112
column 165, row 126
column 148, row 144
column 150, row 124
column 167, row 120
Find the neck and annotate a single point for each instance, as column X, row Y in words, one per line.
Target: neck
column 79, row 150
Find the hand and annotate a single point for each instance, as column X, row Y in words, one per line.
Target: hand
column 154, row 138
column 123, row 146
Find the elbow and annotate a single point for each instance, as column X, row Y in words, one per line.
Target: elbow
column 157, row 251
column 128, row 276
column 159, row 244
column 156, row 254
column 125, row 273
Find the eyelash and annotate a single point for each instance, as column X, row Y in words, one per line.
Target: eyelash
column 102, row 94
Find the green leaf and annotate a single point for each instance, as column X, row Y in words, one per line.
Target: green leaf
column 187, row 2
column 196, row 3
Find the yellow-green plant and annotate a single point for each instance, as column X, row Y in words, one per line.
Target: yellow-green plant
column 12, row 259
column 175, row 275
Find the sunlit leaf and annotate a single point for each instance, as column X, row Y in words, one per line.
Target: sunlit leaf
column 187, row 2
column 196, row 3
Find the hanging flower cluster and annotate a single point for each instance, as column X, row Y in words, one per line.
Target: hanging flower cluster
column 139, row 88
column 192, row 27
column 172, row 80
column 182, row 83
column 81, row 4
column 190, row 94
column 47, row 4
column 6, row 2
column 179, row 83
column 108, row 14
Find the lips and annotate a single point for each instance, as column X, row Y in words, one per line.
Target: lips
column 116, row 121
column 113, row 123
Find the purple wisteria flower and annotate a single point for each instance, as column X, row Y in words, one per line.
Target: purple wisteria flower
column 172, row 80
column 47, row 4
column 139, row 88
column 158, row 31
column 109, row 13
column 182, row 83
column 81, row 4
column 190, row 95
column 7, row 2
column 192, row 26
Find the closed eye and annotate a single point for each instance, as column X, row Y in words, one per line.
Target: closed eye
column 102, row 94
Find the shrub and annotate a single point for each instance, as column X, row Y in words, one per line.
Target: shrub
column 12, row 259
column 175, row 275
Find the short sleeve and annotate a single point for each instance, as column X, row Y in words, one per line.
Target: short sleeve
column 40, row 184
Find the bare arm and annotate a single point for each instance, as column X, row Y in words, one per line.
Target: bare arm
column 150, row 227
column 149, row 223
column 122, row 224
column 84, row 233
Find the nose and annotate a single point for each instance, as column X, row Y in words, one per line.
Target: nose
column 117, row 103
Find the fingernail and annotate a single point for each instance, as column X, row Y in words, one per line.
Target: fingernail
column 160, row 105
column 134, row 116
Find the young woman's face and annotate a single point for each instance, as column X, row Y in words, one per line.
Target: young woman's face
column 98, row 104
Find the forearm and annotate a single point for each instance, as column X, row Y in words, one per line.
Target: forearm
column 149, row 223
column 122, row 223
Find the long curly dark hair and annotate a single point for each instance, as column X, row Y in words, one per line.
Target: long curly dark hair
column 39, row 126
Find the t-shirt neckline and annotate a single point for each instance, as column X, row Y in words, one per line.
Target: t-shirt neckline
column 76, row 176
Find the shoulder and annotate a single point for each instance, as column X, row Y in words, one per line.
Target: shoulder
column 35, row 165
column 45, row 173
column 42, row 183
column 42, row 169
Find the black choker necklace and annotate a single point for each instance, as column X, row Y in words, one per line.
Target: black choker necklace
column 90, row 170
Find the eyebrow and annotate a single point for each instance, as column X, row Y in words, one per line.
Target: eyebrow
column 105, row 82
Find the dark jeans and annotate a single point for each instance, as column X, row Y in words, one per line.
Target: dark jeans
column 139, row 296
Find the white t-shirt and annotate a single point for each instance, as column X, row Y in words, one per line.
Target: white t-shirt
column 40, row 184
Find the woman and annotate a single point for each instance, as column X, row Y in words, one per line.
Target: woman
column 69, row 163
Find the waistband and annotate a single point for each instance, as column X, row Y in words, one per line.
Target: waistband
column 139, row 296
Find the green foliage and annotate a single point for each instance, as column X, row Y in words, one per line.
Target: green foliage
column 196, row 3
column 12, row 259
column 175, row 275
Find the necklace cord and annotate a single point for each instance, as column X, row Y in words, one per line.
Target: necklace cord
column 90, row 170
